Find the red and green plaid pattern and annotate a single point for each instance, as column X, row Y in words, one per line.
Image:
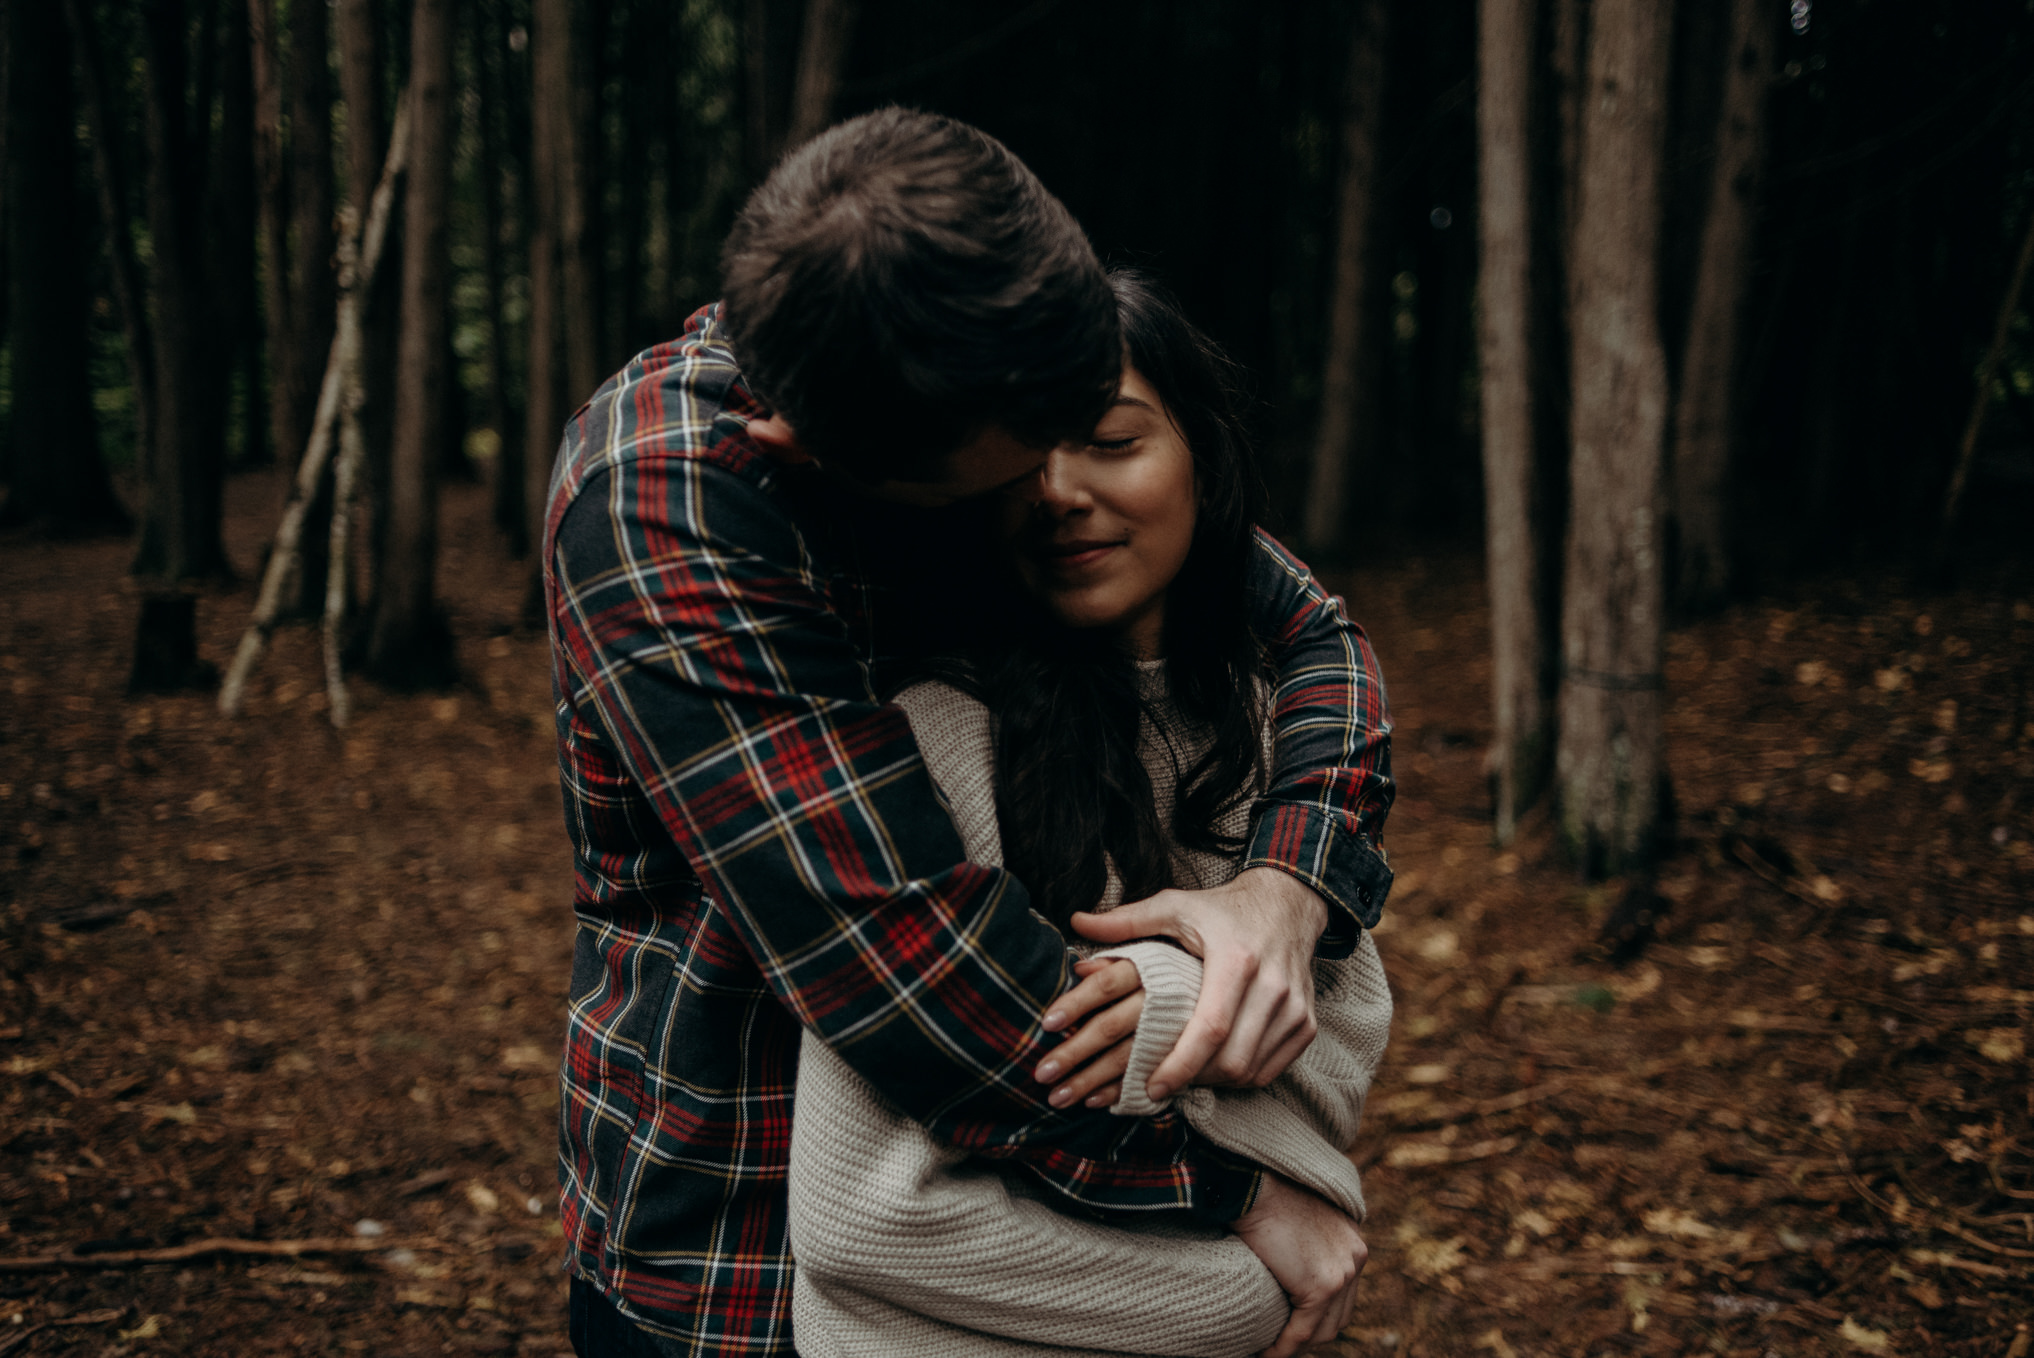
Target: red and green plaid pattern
column 758, row 847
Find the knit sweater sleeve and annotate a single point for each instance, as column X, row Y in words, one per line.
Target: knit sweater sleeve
column 905, row 1249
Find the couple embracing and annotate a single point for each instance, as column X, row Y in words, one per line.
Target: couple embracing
column 997, row 984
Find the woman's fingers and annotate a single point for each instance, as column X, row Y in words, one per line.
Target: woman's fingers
column 1097, row 1076
column 1102, row 985
column 1067, row 1068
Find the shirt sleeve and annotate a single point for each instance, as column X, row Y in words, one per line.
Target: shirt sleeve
column 688, row 615
column 1322, row 817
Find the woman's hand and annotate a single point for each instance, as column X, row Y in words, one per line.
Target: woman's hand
column 1110, row 998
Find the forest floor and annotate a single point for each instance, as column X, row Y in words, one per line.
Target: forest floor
column 261, row 982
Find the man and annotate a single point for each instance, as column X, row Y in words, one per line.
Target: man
column 908, row 317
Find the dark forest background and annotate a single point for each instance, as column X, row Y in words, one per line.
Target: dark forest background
column 1835, row 195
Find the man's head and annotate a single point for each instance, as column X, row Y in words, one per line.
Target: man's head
column 902, row 289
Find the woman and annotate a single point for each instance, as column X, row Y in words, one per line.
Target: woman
column 1106, row 744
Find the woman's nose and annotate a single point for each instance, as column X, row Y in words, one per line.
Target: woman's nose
column 1056, row 487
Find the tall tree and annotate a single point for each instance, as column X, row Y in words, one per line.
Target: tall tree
column 409, row 644
column 116, row 228
column 1343, row 385
column 180, row 537
column 822, row 57
column 1704, row 414
column 1609, row 753
column 58, row 476
column 361, row 82
column 500, row 191
column 560, row 358
column 1520, row 622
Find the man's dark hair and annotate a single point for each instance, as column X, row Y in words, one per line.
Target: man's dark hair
column 901, row 281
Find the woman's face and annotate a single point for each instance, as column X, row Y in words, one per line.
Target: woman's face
column 1099, row 532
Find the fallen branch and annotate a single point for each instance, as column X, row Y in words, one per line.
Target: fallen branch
column 196, row 1249
column 356, row 278
column 104, row 1317
column 1907, row 1214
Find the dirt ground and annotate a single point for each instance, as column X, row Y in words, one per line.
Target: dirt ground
column 261, row 982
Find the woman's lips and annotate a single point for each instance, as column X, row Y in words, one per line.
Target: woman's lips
column 1073, row 556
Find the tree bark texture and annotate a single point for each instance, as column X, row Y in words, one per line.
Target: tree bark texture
column 1704, row 415
column 180, row 529
column 123, row 267
column 822, row 58
column 58, row 477
column 548, row 374
column 272, row 197
column 357, row 24
column 574, row 163
column 1344, row 390
column 1521, row 694
column 1609, row 755
column 408, row 645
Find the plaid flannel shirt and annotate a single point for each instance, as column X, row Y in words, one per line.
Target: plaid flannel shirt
column 758, row 847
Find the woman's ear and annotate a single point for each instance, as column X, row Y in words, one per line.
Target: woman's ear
column 776, row 437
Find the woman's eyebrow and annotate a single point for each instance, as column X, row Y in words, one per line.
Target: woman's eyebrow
column 1134, row 401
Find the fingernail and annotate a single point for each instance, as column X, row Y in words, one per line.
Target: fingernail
column 1098, row 1101
column 1054, row 1019
column 1048, row 1072
column 1061, row 1097
column 1157, row 1092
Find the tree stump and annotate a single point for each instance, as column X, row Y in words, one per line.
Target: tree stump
column 166, row 647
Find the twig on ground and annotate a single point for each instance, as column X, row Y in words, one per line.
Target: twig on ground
column 196, row 1249
column 105, row 1317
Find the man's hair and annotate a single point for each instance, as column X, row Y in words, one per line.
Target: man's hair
column 901, row 281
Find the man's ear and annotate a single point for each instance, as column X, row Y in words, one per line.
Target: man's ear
column 777, row 438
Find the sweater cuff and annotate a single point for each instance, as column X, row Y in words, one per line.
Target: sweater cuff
column 1172, row 987
column 1346, row 869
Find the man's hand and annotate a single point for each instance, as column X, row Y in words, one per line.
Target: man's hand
column 1314, row 1251
column 1098, row 1050
column 1256, row 937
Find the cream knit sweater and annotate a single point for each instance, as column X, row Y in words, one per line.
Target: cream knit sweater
column 907, row 1248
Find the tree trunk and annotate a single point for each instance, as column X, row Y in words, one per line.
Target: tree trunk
column 550, row 98
column 822, row 57
column 1609, row 755
column 180, row 524
column 272, row 196
column 409, row 645
column 1703, row 418
column 59, row 478
column 231, row 216
column 574, row 161
column 360, row 80
column 489, row 44
column 1521, row 695
column 102, row 123
column 1344, row 393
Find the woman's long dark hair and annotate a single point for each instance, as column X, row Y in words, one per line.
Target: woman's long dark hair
column 1069, row 785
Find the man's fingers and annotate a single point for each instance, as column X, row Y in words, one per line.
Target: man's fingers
column 1097, row 988
column 1139, row 919
column 1275, row 1065
column 1299, row 1331
column 1223, row 986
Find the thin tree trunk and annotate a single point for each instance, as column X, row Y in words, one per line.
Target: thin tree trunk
column 409, row 645
column 822, row 58
column 1609, row 755
column 231, row 217
column 760, row 134
column 272, row 192
column 102, row 124
column 180, row 536
column 335, row 423
column 489, row 43
column 550, row 76
column 1704, row 424
column 1988, row 371
column 1343, row 387
column 574, row 160
column 1520, row 698
column 360, row 81
column 59, row 478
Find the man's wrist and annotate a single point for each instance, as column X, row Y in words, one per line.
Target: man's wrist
column 1303, row 904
